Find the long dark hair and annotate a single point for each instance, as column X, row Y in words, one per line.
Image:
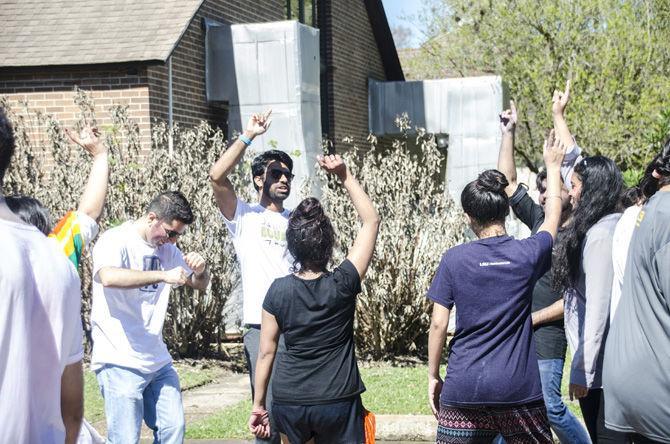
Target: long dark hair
column 662, row 165
column 310, row 236
column 649, row 184
column 6, row 143
column 484, row 199
column 601, row 186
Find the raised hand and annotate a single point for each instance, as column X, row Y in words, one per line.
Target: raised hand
column 333, row 164
column 560, row 99
column 195, row 262
column 89, row 139
column 259, row 123
column 177, row 276
column 508, row 119
column 554, row 150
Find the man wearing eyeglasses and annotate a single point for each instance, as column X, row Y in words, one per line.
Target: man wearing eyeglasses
column 258, row 231
column 132, row 263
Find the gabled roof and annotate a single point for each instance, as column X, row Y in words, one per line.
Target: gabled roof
column 78, row 32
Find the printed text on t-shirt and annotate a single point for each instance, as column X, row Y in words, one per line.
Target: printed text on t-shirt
column 272, row 235
column 493, row 264
column 150, row 263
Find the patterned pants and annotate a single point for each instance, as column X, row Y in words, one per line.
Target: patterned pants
column 519, row 424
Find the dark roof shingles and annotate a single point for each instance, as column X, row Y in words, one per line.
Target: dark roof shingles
column 76, row 32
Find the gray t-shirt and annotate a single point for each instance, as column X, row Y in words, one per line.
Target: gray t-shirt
column 636, row 372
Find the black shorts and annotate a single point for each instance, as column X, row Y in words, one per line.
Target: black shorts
column 337, row 422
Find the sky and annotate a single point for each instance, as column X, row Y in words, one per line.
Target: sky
column 397, row 10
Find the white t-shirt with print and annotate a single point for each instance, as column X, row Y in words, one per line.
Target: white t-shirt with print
column 127, row 324
column 259, row 237
column 40, row 333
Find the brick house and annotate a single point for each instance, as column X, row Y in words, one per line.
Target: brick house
column 150, row 55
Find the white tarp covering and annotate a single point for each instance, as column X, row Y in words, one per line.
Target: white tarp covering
column 465, row 108
column 274, row 65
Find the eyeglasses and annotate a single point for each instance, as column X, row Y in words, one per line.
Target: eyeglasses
column 276, row 174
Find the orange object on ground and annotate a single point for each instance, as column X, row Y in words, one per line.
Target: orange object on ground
column 370, row 425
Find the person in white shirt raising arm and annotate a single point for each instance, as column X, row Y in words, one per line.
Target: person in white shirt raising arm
column 258, row 231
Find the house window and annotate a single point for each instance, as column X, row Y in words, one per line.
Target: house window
column 302, row 10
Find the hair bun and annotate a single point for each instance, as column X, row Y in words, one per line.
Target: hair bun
column 307, row 212
column 493, row 181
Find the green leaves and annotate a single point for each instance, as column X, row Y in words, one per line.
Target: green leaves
column 616, row 53
column 419, row 222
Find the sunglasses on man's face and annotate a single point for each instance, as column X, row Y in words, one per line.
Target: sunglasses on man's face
column 171, row 234
column 276, row 174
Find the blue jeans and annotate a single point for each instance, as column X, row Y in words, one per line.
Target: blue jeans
column 564, row 424
column 131, row 396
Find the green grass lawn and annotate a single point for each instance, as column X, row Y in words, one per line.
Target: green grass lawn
column 189, row 376
column 94, row 406
column 230, row 423
column 396, row 390
column 403, row 390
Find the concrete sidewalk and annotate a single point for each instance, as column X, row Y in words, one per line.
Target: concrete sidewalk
column 226, row 391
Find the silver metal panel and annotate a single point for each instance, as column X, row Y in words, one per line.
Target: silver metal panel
column 466, row 108
column 277, row 66
column 308, row 52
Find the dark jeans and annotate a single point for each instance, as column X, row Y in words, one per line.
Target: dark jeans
column 251, row 344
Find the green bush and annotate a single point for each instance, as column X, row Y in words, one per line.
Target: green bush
column 49, row 168
column 418, row 221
